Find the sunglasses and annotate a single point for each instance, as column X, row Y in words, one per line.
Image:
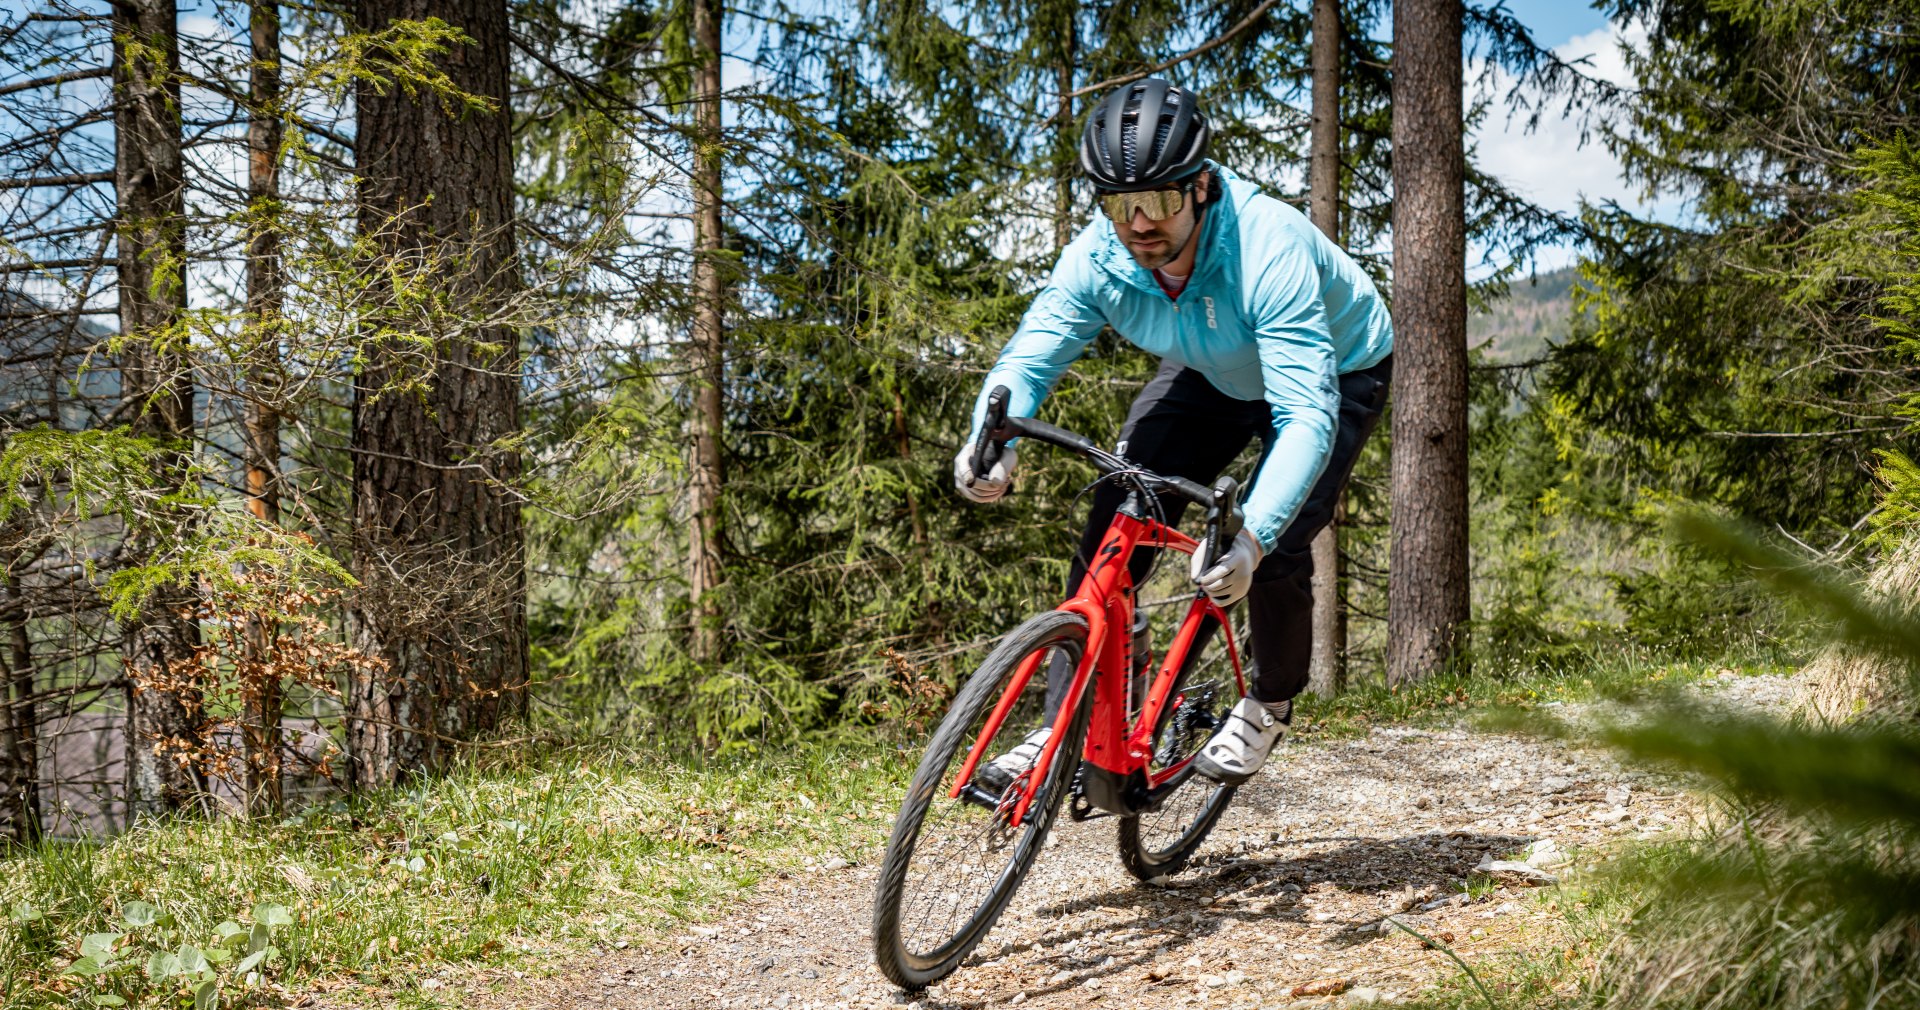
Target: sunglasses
column 1157, row 204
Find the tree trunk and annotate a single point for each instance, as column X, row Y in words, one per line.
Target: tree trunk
column 1428, row 603
column 260, row 684
column 1327, row 673
column 437, row 533
column 164, row 751
column 704, row 574
column 19, row 725
column 1066, row 146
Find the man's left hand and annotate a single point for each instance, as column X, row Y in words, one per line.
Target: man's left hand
column 1230, row 577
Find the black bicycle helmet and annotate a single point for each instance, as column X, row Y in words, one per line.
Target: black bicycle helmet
column 1144, row 136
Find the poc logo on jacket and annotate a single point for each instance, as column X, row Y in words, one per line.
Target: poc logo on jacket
column 1212, row 323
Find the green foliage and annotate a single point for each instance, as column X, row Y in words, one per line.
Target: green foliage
column 1721, row 361
column 1809, row 898
column 64, row 479
column 522, row 859
column 150, row 957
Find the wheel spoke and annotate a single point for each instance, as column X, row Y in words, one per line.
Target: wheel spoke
column 965, row 859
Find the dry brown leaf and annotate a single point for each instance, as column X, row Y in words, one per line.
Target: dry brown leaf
column 1324, row 987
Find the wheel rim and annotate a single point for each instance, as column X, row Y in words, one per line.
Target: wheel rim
column 965, row 856
column 1206, row 692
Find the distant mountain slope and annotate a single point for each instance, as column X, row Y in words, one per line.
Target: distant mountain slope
column 1533, row 315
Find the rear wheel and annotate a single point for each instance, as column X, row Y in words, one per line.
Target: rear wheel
column 952, row 864
column 1160, row 841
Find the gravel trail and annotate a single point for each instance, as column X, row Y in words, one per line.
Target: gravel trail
column 1284, row 906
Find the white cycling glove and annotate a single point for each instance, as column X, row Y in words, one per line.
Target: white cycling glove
column 1230, row 578
column 983, row 488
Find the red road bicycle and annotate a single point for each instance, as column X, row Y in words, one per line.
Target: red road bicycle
column 960, row 848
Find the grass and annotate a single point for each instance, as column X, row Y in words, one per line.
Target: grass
column 510, row 861
column 519, row 859
column 1555, row 967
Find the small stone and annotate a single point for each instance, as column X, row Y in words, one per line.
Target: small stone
column 1364, row 996
column 1423, row 802
column 1058, row 977
column 620, row 945
column 1213, row 981
column 808, row 973
column 1236, row 977
column 1160, row 881
column 1019, row 997
column 834, row 863
column 430, row 983
column 1615, row 816
column 1619, row 796
column 1554, row 784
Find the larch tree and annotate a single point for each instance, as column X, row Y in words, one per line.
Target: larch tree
column 164, row 752
column 437, row 542
column 1428, row 601
column 708, row 347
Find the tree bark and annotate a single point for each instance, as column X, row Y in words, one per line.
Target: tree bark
column 19, row 731
column 165, row 760
column 704, row 571
column 260, row 684
column 437, row 531
column 1327, row 672
column 1428, row 602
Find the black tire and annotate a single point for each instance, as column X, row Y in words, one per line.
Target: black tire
column 1159, row 842
column 910, row 949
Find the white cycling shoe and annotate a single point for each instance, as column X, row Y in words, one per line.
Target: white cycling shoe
column 996, row 775
column 1241, row 744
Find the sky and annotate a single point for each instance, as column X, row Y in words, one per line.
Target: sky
column 1550, row 165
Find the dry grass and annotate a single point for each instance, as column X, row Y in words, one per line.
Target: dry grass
column 1845, row 683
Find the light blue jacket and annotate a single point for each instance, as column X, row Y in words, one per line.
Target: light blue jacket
column 1274, row 311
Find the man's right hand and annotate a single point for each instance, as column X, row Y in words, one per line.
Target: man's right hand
column 988, row 487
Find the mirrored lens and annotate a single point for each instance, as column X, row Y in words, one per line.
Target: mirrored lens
column 1157, row 204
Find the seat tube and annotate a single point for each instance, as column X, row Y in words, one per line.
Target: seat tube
column 1109, row 586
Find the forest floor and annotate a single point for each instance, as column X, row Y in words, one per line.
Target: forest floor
column 1286, row 905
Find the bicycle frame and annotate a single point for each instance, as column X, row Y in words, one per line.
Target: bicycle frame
column 1105, row 599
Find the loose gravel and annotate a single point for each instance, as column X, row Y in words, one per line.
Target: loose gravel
column 1293, row 901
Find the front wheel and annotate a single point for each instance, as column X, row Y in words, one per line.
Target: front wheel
column 1160, row 841
column 952, row 864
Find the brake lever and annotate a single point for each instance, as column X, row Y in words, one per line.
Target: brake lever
column 1224, row 520
column 987, row 451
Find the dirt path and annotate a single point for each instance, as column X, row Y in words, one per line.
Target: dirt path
column 1284, row 905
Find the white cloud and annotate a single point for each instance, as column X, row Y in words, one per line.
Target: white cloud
column 1550, row 164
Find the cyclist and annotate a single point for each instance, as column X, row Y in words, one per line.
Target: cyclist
column 1265, row 329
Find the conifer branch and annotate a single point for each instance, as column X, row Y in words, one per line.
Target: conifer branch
column 1204, row 47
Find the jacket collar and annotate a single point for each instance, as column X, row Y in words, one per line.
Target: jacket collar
column 1219, row 238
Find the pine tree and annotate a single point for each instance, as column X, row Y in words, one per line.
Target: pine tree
column 437, row 536
column 1429, row 591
